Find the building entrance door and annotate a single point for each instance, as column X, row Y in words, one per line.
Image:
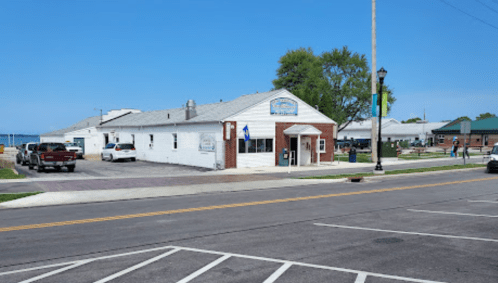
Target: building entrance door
column 81, row 143
column 293, row 147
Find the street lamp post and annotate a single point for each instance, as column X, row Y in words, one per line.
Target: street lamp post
column 382, row 74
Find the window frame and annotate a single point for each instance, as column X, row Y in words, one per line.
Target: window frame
column 256, row 149
column 320, row 146
column 175, row 141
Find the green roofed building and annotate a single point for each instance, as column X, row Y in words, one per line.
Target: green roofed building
column 483, row 133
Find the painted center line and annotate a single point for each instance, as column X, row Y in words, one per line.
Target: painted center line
column 408, row 233
column 223, row 206
column 486, row 201
column 453, row 213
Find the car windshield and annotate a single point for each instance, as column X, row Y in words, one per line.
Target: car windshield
column 126, row 146
column 495, row 150
column 31, row 146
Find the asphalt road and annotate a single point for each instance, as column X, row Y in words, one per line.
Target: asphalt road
column 429, row 229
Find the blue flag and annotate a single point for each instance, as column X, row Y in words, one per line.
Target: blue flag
column 246, row 133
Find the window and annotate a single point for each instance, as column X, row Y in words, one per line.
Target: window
column 485, row 139
column 322, row 146
column 256, row 146
column 133, row 140
column 111, row 145
column 440, row 138
column 117, row 139
column 151, row 139
column 175, row 141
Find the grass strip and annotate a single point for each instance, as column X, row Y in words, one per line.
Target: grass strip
column 401, row 171
column 7, row 173
column 9, row 197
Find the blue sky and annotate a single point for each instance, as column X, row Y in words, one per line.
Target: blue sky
column 59, row 60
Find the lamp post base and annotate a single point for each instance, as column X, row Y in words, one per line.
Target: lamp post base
column 379, row 172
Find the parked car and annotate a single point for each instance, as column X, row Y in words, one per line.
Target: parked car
column 362, row 143
column 52, row 155
column 343, row 143
column 74, row 147
column 493, row 159
column 115, row 151
column 25, row 150
column 417, row 143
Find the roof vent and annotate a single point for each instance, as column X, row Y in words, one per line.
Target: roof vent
column 190, row 111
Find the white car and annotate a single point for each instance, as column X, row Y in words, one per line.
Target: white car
column 74, row 147
column 115, row 151
column 493, row 159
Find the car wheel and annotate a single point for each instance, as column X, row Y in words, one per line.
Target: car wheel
column 102, row 157
column 111, row 159
column 58, row 168
column 133, row 159
column 39, row 168
column 30, row 166
column 70, row 168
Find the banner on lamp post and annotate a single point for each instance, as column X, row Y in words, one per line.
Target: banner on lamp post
column 374, row 105
column 384, row 104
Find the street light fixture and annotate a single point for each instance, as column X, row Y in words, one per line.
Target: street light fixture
column 381, row 74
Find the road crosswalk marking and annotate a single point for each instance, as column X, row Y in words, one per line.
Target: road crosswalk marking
column 286, row 264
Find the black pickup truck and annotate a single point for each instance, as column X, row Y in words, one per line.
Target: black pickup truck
column 52, row 155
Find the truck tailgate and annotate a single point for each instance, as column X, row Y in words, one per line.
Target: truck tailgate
column 58, row 156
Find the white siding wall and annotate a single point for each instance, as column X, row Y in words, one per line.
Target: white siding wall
column 162, row 150
column 93, row 144
column 52, row 139
column 256, row 130
column 261, row 112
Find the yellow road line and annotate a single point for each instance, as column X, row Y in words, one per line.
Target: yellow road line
column 184, row 210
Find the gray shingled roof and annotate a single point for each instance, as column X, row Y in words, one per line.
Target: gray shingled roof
column 83, row 124
column 205, row 113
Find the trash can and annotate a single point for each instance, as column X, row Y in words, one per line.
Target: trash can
column 352, row 155
column 2, row 148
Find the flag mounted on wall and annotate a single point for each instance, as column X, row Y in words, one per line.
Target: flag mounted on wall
column 246, row 133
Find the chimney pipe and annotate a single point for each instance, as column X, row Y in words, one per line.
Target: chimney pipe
column 190, row 111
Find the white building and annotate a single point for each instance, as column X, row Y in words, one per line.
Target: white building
column 392, row 130
column 363, row 129
column 85, row 132
column 213, row 136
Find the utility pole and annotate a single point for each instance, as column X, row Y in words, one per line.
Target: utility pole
column 374, row 84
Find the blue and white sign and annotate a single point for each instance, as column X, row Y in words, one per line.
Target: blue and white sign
column 207, row 142
column 283, row 106
column 246, row 133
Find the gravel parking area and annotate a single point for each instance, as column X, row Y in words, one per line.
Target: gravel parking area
column 105, row 169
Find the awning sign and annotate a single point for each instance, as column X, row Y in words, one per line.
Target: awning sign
column 246, row 133
column 207, row 142
column 374, row 105
column 283, row 106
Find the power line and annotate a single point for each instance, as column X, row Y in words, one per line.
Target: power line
column 487, row 6
column 482, row 21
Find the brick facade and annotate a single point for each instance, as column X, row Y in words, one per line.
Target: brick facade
column 283, row 141
column 475, row 140
column 230, row 145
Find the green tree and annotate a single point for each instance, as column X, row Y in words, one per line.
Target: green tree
column 412, row 120
column 485, row 116
column 338, row 82
column 463, row 118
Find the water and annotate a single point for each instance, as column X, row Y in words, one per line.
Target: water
column 15, row 140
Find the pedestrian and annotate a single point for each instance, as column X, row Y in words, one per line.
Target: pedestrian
column 454, row 149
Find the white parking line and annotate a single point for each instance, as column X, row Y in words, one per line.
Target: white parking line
column 135, row 267
column 278, row 273
column 361, row 275
column 204, row 269
column 361, row 278
column 487, row 201
column 409, row 233
column 453, row 213
column 56, row 271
